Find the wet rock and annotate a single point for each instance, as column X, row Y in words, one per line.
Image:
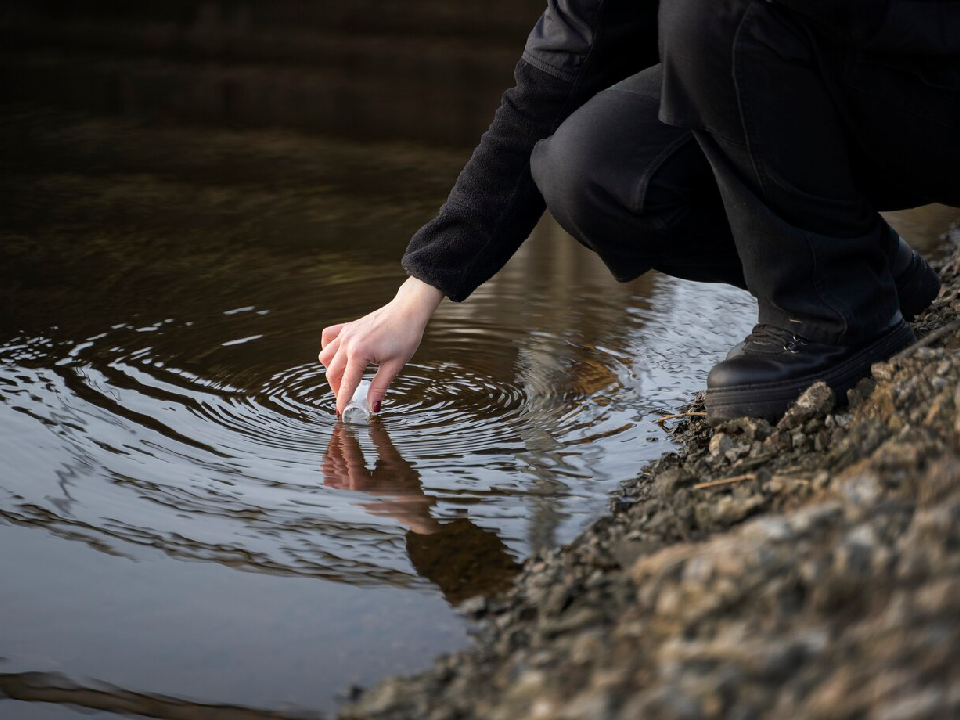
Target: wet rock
column 956, row 404
column 621, row 504
column 720, row 444
column 815, row 518
column 750, row 428
column 863, row 390
column 816, row 401
column 861, row 490
column 475, row 607
column 671, row 480
column 769, row 529
column 595, row 703
column 882, row 371
column 856, row 551
column 728, row 510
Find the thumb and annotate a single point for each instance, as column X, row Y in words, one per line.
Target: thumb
column 381, row 381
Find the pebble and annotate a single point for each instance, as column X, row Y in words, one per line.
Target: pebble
column 824, row 583
column 815, row 402
column 720, row 444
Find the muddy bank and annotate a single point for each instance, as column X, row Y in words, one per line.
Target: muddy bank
column 808, row 569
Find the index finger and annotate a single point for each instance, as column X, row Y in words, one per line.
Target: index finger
column 329, row 333
column 348, row 383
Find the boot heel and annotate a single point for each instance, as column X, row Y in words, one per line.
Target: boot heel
column 917, row 287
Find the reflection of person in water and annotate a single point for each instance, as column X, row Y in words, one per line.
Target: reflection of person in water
column 461, row 558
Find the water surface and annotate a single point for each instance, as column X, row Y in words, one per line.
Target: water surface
column 183, row 522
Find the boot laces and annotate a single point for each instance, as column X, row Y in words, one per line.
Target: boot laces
column 767, row 338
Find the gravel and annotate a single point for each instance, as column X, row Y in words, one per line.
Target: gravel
column 808, row 569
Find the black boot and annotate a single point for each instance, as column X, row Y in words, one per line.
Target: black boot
column 917, row 285
column 776, row 366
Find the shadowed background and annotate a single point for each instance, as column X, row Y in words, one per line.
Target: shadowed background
column 427, row 70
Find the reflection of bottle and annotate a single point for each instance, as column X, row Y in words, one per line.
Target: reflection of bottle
column 357, row 410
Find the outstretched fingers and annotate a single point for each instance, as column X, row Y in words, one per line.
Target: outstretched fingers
column 345, row 362
column 335, row 368
column 330, row 334
column 328, row 352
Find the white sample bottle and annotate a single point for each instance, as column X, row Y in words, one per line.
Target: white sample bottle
column 357, row 410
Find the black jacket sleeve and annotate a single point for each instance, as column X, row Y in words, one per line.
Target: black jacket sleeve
column 577, row 48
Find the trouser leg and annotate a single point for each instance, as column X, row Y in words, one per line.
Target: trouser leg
column 747, row 78
column 638, row 192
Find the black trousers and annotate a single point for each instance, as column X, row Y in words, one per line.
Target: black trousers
column 758, row 153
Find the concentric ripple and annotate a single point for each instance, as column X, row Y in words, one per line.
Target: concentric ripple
column 219, row 453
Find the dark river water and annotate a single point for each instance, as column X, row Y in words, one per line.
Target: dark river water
column 183, row 522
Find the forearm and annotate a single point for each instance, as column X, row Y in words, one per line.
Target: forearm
column 577, row 49
column 494, row 204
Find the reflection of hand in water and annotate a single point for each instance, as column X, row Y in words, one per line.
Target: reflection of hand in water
column 393, row 479
column 461, row 558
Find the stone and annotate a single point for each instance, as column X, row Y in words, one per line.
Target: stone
column 475, row 607
column 882, row 371
column 956, row 404
column 720, row 444
column 816, row 401
column 861, row 392
column 921, row 704
column 815, row 517
column 861, row 490
column 671, row 480
column 768, row 529
column 750, row 428
column 594, row 703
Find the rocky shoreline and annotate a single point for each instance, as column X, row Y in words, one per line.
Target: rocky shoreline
column 809, row 569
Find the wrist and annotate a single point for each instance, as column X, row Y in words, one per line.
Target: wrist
column 419, row 298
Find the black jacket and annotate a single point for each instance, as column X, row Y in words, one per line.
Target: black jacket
column 576, row 49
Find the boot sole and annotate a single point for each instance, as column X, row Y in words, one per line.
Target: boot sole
column 771, row 400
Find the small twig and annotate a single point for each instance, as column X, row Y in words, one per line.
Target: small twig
column 926, row 340
column 724, row 481
column 793, row 479
column 680, row 415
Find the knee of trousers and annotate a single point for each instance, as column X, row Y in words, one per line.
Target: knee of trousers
column 566, row 169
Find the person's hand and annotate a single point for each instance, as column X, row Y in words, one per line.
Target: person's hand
column 387, row 337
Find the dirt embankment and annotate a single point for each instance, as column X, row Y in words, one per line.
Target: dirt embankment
column 809, row 569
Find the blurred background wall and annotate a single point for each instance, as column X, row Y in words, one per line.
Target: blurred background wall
column 423, row 70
